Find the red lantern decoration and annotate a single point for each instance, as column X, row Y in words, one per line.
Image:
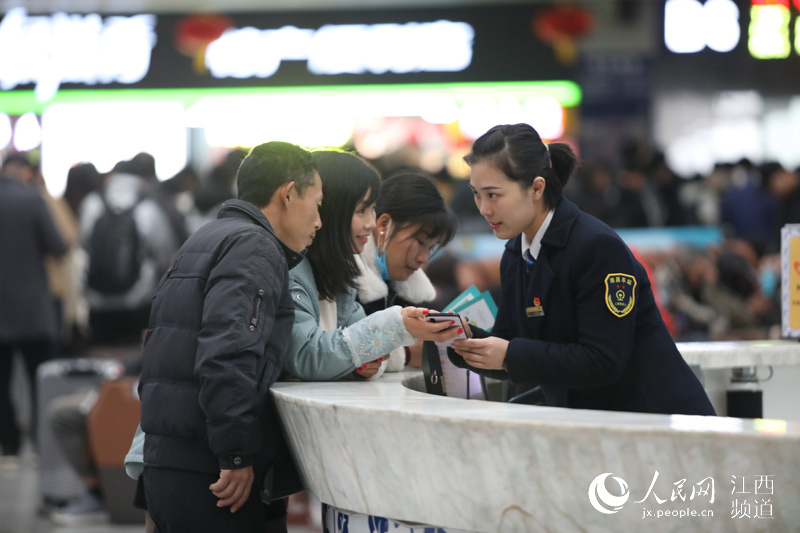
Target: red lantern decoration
column 560, row 26
column 195, row 32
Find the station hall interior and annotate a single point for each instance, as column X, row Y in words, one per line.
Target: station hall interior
column 685, row 115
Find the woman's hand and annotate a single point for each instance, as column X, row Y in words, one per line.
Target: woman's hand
column 419, row 328
column 465, row 325
column 488, row 353
column 370, row 369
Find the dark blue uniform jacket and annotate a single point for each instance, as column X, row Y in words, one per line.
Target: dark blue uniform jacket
column 581, row 328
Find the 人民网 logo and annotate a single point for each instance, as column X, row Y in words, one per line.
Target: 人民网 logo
column 602, row 500
column 620, row 295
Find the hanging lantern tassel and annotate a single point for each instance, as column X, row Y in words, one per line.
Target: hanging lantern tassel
column 561, row 26
column 566, row 51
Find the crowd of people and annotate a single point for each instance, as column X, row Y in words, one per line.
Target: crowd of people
column 121, row 251
column 730, row 288
column 79, row 273
column 115, row 235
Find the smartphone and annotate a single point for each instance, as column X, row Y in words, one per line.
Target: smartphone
column 446, row 317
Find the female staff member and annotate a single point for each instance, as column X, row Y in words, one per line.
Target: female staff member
column 577, row 314
column 412, row 223
column 332, row 337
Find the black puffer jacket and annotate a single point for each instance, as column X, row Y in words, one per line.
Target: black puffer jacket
column 220, row 321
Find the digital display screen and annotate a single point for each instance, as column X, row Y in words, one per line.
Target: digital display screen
column 767, row 29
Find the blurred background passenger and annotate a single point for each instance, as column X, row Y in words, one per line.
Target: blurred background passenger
column 747, row 210
column 739, row 296
column 178, row 192
column 595, row 192
column 668, row 187
column 128, row 256
column 82, row 179
column 687, row 280
column 28, row 322
column 784, row 186
column 219, row 186
column 60, row 274
column 61, row 270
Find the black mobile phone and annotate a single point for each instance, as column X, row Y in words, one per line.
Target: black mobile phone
column 443, row 317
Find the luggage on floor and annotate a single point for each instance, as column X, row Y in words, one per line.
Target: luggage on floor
column 112, row 423
column 58, row 482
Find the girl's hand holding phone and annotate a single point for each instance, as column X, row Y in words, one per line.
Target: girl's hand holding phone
column 438, row 330
column 459, row 320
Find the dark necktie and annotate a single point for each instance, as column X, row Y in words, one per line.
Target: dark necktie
column 529, row 261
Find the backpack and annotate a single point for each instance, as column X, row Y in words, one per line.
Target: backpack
column 115, row 251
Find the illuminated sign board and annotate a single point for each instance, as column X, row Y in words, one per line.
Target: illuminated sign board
column 49, row 50
column 769, row 29
column 441, row 46
column 691, row 26
column 730, row 45
column 275, row 49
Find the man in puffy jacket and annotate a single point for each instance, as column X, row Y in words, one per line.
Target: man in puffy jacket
column 219, row 323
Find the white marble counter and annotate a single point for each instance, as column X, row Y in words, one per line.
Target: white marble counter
column 741, row 353
column 382, row 448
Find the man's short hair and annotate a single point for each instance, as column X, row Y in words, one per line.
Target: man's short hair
column 270, row 165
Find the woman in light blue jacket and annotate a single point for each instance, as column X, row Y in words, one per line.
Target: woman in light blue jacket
column 332, row 337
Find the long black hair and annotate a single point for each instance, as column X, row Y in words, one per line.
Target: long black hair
column 346, row 179
column 519, row 153
column 411, row 198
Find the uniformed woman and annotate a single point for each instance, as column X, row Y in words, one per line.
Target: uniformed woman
column 577, row 314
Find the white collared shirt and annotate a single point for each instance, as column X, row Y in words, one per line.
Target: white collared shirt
column 536, row 244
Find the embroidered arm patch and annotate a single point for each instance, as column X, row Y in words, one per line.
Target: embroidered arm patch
column 620, row 295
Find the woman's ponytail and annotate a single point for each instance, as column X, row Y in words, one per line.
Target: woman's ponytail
column 518, row 152
column 563, row 160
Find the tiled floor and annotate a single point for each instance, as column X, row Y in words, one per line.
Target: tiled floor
column 20, row 505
